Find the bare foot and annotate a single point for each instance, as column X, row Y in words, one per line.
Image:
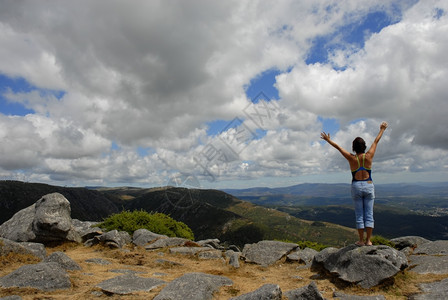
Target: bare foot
column 359, row 243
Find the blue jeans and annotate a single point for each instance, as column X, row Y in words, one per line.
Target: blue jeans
column 363, row 195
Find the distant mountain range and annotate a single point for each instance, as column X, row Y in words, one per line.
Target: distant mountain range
column 400, row 209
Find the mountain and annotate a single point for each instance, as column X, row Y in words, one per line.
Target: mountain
column 400, row 209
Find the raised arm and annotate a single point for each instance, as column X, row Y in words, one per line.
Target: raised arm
column 326, row 137
column 372, row 149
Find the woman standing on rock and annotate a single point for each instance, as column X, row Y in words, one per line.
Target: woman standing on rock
column 363, row 192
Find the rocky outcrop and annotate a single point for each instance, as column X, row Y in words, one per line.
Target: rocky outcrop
column 43, row 276
column 365, row 266
column 266, row 253
column 26, row 248
column 47, row 220
column 193, row 286
column 129, row 283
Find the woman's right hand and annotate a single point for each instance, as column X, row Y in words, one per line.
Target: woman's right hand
column 383, row 126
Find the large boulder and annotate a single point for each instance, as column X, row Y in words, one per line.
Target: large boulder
column 129, row 283
column 365, row 266
column 266, row 253
column 45, row 221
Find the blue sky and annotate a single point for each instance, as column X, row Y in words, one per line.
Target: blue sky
column 239, row 102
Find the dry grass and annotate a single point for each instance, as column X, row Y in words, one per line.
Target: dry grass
column 246, row 279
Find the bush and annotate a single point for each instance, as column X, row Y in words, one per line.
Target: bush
column 155, row 222
column 379, row 240
column 313, row 245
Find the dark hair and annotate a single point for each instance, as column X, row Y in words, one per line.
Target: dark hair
column 359, row 145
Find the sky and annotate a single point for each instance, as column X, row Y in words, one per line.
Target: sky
column 221, row 94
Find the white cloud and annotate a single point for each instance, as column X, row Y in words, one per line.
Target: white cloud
column 151, row 74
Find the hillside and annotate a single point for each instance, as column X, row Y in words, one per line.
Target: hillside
column 400, row 209
column 209, row 213
column 213, row 213
column 85, row 204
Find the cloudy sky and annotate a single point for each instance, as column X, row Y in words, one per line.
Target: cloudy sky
column 221, row 94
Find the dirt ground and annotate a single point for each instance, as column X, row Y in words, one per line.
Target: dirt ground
column 245, row 279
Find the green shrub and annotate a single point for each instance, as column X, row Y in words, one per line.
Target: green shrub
column 155, row 222
column 379, row 240
column 313, row 245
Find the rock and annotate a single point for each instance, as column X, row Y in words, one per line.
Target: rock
column 166, row 242
column 20, row 227
column 304, row 256
column 433, row 248
column 266, row 253
column 115, row 238
column 433, row 290
column 11, row 298
column 408, row 241
column 129, row 283
column 189, row 250
column 342, row 296
column 43, row 276
column 210, row 254
column 309, row 292
column 365, row 266
column 234, row 258
column 141, row 237
column 52, row 220
column 266, row 292
column 429, row 264
column 47, row 220
column 63, row 260
column 193, row 286
column 98, row 261
column 212, row 243
column 27, row 248
column 234, row 248
column 86, row 229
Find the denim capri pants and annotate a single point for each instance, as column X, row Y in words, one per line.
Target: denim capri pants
column 363, row 195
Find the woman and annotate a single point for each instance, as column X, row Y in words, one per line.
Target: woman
column 363, row 192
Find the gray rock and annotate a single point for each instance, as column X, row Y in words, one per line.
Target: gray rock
column 266, row 253
column 129, row 283
column 52, row 220
column 409, row 241
column 98, row 261
column 45, row 221
column 210, row 254
column 115, row 238
column 365, row 266
column 141, row 237
column 11, row 298
column 213, row 243
column 304, row 256
column 429, row 264
column 266, row 292
column 20, row 227
column 193, row 286
column 43, row 276
column 36, row 249
column 166, row 242
column 189, row 250
column 342, row 296
column 86, row 229
column 433, row 290
column 63, row 260
column 433, row 248
column 309, row 292
column 234, row 258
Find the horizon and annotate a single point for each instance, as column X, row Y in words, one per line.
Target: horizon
column 221, row 95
